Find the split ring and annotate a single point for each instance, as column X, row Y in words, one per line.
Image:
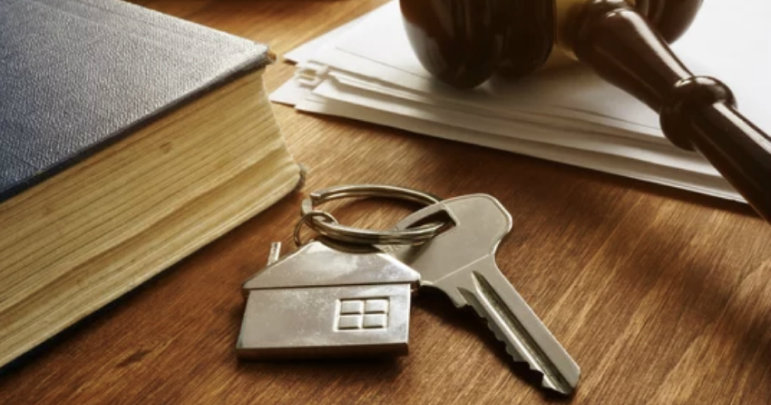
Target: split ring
column 327, row 226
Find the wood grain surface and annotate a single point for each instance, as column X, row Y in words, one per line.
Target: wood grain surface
column 661, row 296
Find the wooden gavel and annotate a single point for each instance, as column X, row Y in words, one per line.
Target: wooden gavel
column 465, row 42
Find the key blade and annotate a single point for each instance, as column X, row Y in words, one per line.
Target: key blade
column 461, row 263
column 515, row 324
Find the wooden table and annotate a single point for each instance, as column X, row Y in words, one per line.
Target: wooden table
column 660, row 295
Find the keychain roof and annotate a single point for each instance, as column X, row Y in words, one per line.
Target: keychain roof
column 317, row 264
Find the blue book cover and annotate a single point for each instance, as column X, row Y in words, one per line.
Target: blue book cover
column 76, row 75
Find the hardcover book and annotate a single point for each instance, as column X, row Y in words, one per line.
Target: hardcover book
column 128, row 139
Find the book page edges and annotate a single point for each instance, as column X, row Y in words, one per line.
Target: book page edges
column 42, row 305
column 114, row 273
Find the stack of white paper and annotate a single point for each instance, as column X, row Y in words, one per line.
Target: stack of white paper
column 366, row 70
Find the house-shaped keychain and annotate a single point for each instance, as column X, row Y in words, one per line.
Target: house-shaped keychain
column 320, row 301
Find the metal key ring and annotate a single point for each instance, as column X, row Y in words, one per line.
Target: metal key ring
column 306, row 220
column 343, row 233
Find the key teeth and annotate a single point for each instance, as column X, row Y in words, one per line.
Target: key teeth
column 513, row 353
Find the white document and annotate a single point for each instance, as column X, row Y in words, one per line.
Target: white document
column 709, row 185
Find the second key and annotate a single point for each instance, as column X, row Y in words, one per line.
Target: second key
column 461, row 263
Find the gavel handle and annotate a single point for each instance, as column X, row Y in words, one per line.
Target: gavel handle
column 696, row 112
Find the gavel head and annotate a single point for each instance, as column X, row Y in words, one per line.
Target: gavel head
column 465, row 42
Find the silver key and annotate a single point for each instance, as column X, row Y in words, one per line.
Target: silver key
column 461, row 263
